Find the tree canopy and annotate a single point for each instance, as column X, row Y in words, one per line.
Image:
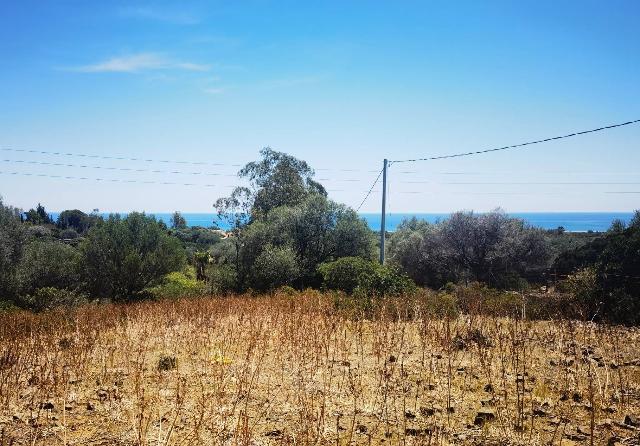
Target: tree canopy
column 491, row 248
column 123, row 256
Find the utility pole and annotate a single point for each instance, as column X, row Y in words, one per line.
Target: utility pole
column 383, row 226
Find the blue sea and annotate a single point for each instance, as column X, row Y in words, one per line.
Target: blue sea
column 571, row 221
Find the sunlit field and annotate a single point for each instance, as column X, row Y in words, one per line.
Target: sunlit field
column 292, row 369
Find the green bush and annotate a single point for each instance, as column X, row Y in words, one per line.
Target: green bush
column 222, row 278
column 13, row 238
column 123, row 257
column 69, row 234
column 178, row 284
column 48, row 264
column 346, row 273
column 47, row 298
column 275, row 267
column 354, row 275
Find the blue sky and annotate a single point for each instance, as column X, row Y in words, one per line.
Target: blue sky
column 339, row 84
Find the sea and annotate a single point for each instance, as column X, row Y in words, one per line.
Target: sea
column 570, row 221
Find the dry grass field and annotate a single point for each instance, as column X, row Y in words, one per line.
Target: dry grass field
column 293, row 370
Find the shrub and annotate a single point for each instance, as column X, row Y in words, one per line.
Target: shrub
column 178, row 284
column 347, row 273
column 12, row 242
column 123, row 257
column 583, row 287
column 222, row 278
column 69, row 234
column 47, row 298
column 492, row 248
column 275, row 267
column 76, row 220
column 38, row 231
column 354, row 275
column 48, row 264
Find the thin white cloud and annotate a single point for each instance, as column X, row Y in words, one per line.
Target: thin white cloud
column 136, row 63
column 175, row 16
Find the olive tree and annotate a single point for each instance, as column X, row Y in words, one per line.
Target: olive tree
column 123, row 256
column 492, row 248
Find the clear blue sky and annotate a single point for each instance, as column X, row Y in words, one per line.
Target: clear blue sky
column 340, row 84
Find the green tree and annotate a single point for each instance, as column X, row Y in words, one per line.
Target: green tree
column 278, row 180
column 491, row 248
column 48, row 264
column 274, row 267
column 287, row 212
column 13, row 238
column 38, row 216
column 316, row 230
column 122, row 257
column 75, row 219
column 618, row 272
column 178, row 221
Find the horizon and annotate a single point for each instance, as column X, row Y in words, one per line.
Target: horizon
column 569, row 221
column 198, row 88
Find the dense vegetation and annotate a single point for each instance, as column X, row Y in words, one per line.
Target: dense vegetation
column 285, row 231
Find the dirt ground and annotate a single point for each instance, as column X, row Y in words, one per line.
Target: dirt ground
column 293, row 370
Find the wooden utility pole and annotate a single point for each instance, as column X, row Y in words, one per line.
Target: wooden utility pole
column 383, row 227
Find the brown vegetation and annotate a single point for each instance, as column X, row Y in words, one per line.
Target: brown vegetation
column 293, row 369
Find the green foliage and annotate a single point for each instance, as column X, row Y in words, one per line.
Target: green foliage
column 48, row 264
column 13, row 238
column 201, row 259
column 491, row 248
column 178, row 284
column 279, row 180
column 47, row 298
column 178, row 221
column 222, row 278
column 196, row 239
column 38, row 216
column 122, row 257
column 347, row 273
column 618, row 273
column 603, row 274
column 286, row 213
column 355, row 275
column 274, row 267
column 76, row 220
column 69, row 234
column 6, row 305
column 583, row 286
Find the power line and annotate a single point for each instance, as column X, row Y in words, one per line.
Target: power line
column 369, row 192
column 130, row 169
column 118, row 158
column 106, row 180
column 150, row 160
column 123, row 169
column 122, row 180
column 544, row 183
column 478, row 152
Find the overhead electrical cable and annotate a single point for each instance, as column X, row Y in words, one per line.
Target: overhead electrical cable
column 149, row 160
column 370, row 190
column 106, row 180
column 515, row 146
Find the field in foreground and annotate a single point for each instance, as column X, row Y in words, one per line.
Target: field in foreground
column 293, row 370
